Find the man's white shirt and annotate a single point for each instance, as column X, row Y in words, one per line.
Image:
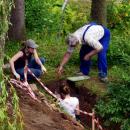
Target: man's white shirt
column 91, row 37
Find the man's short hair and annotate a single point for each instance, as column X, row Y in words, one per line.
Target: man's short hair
column 72, row 40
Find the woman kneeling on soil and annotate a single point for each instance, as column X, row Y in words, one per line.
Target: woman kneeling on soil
column 68, row 103
column 25, row 58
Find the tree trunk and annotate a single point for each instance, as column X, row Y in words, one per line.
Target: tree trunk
column 17, row 29
column 99, row 11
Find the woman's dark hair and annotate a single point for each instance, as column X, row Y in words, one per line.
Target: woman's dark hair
column 64, row 89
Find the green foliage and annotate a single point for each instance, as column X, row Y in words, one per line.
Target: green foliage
column 47, row 16
column 42, row 15
column 6, row 123
column 76, row 15
column 115, row 107
column 119, row 49
column 5, row 8
column 126, row 124
column 17, row 118
column 119, row 14
column 118, row 22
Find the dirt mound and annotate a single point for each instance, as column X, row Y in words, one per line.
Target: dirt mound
column 41, row 116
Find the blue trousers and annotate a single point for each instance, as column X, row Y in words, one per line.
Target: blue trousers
column 102, row 56
column 34, row 67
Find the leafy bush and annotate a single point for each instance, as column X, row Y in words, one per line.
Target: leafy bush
column 6, row 121
column 42, row 15
column 76, row 15
column 115, row 107
column 118, row 52
column 118, row 21
column 119, row 14
column 47, row 16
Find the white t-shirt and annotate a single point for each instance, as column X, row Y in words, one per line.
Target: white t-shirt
column 69, row 105
column 91, row 37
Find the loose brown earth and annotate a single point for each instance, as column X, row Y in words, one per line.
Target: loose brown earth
column 42, row 116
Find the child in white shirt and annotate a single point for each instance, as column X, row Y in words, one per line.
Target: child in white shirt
column 68, row 103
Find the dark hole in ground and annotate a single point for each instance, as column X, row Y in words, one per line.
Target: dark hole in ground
column 87, row 101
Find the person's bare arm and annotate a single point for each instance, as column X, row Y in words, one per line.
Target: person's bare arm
column 65, row 59
column 12, row 60
column 95, row 44
column 39, row 61
column 91, row 54
column 77, row 110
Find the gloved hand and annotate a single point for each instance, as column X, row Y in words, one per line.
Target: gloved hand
column 17, row 76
